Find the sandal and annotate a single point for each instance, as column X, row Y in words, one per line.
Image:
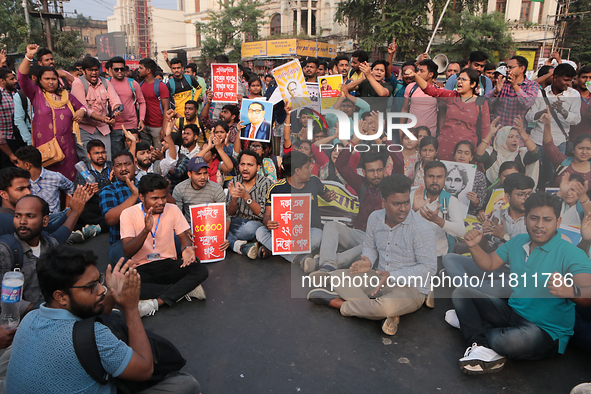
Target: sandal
column 264, row 252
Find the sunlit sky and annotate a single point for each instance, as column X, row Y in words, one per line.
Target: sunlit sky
column 101, row 9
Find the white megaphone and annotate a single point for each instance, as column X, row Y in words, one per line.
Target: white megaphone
column 442, row 61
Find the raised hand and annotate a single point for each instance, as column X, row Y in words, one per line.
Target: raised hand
column 129, row 295
column 586, row 228
column 494, row 127
column 149, row 220
column 129, row 181
column 114, row 278
column 128, row 134
column 31, row 50
column 473, row 238
column 500, row 83
column 419, row 199
column 393, row 47
column 365, row 68
column 473, row 197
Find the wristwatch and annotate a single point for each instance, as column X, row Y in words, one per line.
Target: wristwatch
column 577, row 290
column 249, row 201
column 506, row 237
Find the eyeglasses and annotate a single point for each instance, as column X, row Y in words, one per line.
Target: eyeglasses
column 523, row 196
column 119, row 69
column 463, row 79
column 256, row 146
column 102, row 153
column 255, row 111
column 93, row 286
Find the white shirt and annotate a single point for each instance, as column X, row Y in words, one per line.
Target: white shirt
column 36, row 250
column 184, row 151
column 454, row 226
column 570, row 215
column 571, row 102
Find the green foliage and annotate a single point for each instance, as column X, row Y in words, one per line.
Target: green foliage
column 225, row 29
column 67, row 47
column 469, row 32
column 578, row 34
column 376, row 22
column 79, row 21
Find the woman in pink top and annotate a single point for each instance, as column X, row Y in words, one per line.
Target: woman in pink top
column 463, row 111
column 48, row 116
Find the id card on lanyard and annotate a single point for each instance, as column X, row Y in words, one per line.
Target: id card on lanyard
column 152, row 256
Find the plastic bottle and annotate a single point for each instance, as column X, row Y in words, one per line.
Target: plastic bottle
column 12, row 289
column 86, row 174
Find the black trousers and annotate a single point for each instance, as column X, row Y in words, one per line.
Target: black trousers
column 165, row 279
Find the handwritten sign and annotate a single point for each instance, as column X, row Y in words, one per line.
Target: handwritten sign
column 292, row 211
column 224, row 81
column 208, row 222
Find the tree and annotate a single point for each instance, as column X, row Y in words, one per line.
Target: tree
column 469, row 32
column 225, row 28
column 578, row 34
column 376, row 22
column 67, row 47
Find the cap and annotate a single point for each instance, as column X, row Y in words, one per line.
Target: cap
column 196, row 163
column 502, row 70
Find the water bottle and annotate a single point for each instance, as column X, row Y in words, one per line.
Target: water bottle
column 86, row 174
column 12, row 290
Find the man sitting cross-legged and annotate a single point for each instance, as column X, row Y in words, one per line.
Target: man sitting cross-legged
column 246, row 199
column 147, row 235
column 551, row 275
column 398, row 256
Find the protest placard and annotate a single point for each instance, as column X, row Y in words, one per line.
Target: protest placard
column 292, row 212
column 330, row 89
column 208, row 223
column 291, row 84
column 459, row 182
column 257, row 116
column 224, row 82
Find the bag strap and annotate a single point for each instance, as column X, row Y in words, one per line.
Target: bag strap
column 84, row 341
column 413, row 90
column 479, row 103
column 15, row 248
column 554, row 115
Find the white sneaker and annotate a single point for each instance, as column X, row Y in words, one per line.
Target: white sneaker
column 147, row 307
column 452, row 318
column 480, row 360
column 197, row 292
column 583, row 388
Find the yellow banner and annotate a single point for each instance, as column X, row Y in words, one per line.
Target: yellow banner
column 530, row 56
column 281, row 47
column 307, row 48
column 254, row 49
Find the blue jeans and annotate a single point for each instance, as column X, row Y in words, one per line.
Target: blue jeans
column 56, row 220
column 491, row 322
column 546, row 167
column 457, row 265
column 242, row 230
column 265, row 238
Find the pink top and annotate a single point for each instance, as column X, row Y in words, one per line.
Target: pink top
column 95, row 100
column 172, row 221
column 128, row 118
column 424, row 107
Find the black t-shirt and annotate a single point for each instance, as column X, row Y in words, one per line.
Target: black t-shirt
column 314, row 186
column 368, row 93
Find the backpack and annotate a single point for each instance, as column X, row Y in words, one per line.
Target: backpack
column 167, row 358
column 105, row 85
column 172, row 85
column 25, row 104
column 14, row 245
column 157, row 83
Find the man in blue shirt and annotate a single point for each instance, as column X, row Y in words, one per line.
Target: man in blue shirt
column 548, row 276
column 393, row 276
column 43, row 358
column 477, row 62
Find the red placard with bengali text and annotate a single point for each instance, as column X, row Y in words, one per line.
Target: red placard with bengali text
column 224, row 82
column 292, row 211
column 208, row 223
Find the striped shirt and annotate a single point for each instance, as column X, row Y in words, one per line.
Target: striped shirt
column 48, row 187
column 406, row 250
column 6, row 115
column 186, row 195
column 258, row 193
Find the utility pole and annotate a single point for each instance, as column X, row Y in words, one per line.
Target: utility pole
column 47, row 22
column 26, row 7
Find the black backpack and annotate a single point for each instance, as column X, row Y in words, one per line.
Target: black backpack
column 167, row 358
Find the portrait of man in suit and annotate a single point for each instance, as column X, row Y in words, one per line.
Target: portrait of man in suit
column 259, row 128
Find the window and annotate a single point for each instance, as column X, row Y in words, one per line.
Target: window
column 86, row 40
column 198, row 40
column 248, row 37
column 501, row 6
column 525, row 15
column 276, row 24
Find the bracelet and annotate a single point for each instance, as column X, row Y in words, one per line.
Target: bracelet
column 486, row 142
column 583, row 203
column 285, row 124
column 30, row 60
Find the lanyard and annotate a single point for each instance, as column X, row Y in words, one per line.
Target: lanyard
column 156, row 229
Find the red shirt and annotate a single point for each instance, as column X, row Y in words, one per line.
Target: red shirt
column 154, row 116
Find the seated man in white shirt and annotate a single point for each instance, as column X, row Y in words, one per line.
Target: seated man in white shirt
column 396, row 266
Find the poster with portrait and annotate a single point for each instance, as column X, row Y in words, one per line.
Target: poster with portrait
column 224, row 82
column 292, row 212
column 208, row 223
column 459, row 182
column 496, row 202
column 330, row 89
column 257, row 116
column 291, row 84
column 314, row 92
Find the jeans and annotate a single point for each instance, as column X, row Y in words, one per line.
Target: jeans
column 457, row 265
column 165, row 279
column 242, row 230
column 117, row 142
column 264, row 237
column 546, row 167
column 56, row 220
column 335, row 235
column 582, row 336
column 492, row 323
